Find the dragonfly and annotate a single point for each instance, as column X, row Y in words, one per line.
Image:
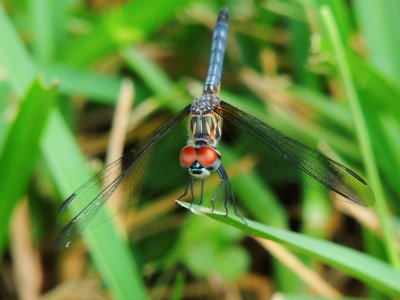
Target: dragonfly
column 200, row 156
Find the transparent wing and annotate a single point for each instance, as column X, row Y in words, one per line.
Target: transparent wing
column 326, row 171
column 87, row 202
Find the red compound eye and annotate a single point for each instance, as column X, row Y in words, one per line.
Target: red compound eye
column 188, row 156
column 207, row 156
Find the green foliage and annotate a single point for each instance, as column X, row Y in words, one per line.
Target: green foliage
column 322, row 72
column 21, row 148
column 359, row 265
column 216, row 252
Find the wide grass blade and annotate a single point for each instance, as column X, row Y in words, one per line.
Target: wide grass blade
column 67, row 166
column 377, row 19
column 48, row 27
column 357, row 264
column 363, row 135
column 24, row 135
column 110, row 253
column 74, row 81
column 129, row 23
column 13, row 56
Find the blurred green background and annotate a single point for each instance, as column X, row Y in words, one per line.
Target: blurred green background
column 326, row 73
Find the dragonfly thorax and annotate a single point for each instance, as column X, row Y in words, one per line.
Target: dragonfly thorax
column 204, row 129
column 200, row 161
column 204, row 104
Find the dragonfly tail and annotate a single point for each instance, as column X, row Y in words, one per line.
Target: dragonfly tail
column 218, row 47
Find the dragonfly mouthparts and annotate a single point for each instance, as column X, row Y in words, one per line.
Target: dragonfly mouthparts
column 204, row 104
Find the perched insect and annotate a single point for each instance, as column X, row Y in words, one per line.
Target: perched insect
column 200, row 156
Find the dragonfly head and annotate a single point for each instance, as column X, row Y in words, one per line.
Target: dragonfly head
column 200, row 161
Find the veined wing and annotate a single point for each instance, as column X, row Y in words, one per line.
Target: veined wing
column 326, row 171
column 90, row 198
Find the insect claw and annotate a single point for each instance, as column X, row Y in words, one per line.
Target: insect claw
column 244, row 221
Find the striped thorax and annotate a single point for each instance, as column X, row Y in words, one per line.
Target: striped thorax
column 205, row 124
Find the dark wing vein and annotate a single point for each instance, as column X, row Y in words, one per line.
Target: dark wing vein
column 90, row 199
column 328, row 172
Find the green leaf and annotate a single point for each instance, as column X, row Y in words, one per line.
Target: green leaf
column 154, row 77
column 357, row 264
column 110, row 252
column 377, row 19
column 24, row 136
column 363, row 134
column 75, row 81
column 67, row 165
column 48, row 27
column 126, row 24
column 217, row 251
column 14, row 58
column 178, row 286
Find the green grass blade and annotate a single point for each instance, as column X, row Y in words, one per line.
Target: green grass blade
column 383, row 91
column 126, row 24
column 4, row 92
column 315, row 211
column 74, row 81
column 154, row 77
column 24, row 135
column 392, row 139
column 326, row 111
column 13, row 56
column 362, row 135
column 359, row 265
column 292, row 296
column 48, row 27
column 377, row 19
column 178, row 286
column 110, row 253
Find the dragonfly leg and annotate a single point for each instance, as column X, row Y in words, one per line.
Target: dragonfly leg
column 201, row 191
column 226, row 200
column 237, row 214
column 229, row 196
column 228, row 192
column 191, row 192
column 215, row 195
column 185, row 192
column 233, row 200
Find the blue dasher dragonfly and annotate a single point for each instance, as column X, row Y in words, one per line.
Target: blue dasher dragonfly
column 200, row 156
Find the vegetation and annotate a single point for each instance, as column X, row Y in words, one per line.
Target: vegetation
column 326, row 73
